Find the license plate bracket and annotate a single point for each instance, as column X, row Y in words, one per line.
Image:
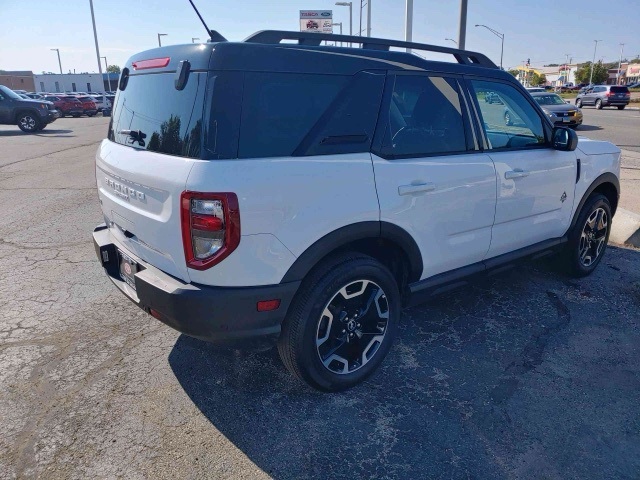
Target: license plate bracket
column 128, row 268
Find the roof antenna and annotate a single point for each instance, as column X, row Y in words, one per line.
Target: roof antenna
column 213, row 35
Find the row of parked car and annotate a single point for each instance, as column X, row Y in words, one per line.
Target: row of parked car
column 32, row 111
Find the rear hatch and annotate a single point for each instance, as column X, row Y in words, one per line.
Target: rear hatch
column 619, row 93
column 142, row 168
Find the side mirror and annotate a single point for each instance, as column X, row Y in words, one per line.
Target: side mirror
column 564, row 139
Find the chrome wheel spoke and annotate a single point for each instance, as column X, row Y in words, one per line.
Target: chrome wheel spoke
column 593, row 237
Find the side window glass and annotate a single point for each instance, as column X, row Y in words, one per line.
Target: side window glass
column 425, row 118
column 508, row 119
column 279, row 110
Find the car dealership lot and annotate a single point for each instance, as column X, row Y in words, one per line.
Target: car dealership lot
column 532, row 375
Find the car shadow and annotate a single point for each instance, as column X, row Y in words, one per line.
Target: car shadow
column 587, row 128
column 45, row 132
column 440, row 405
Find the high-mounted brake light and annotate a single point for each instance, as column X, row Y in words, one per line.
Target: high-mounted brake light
column 151, row 63
column 210, row 227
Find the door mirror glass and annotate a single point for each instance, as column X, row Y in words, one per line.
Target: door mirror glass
column 564, row 139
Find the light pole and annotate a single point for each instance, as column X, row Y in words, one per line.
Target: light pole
column 500, row 36
column 193, row 39
column 59, row 62
column 368, row 18
column 408, row 24
column 620, row 64
column 462, row 30
column 594, row 61
column 451, row 40
column 339, row 24
column 95, row 37
column 161, row 35
column 350, row 5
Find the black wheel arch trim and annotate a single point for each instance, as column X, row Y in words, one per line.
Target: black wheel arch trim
column 22, row 111
column 602, row 179
column 351, row 233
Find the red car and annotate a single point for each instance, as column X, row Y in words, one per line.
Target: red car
column 66, row 105
column 89, row 106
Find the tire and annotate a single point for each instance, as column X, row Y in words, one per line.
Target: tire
column 76, row 115
column 507, row 119
column 323, row 324
column 599, row 104
column 621, row 107
column 587, row 246
column 90, row 114
column 28, row 122
column 579, row 103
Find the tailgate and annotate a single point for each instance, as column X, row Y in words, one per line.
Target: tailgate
column 139, row 194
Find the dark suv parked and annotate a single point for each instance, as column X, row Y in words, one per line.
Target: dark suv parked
column 605, row 96
column 29, row 115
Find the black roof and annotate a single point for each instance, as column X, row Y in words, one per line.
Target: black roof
column 265, row 51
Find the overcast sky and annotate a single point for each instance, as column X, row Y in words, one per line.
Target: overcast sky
column 542, row 30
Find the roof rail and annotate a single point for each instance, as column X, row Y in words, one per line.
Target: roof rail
column 464, row 57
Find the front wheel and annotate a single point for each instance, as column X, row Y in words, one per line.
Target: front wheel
column 621, row 107
column 579, row 103
column 507, row 119
column 599, row 104
column 341, row 324
column 589, row 237
column 28, row 122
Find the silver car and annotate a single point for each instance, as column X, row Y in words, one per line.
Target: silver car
column 558, row 111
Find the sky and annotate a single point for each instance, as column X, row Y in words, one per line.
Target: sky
column 541, row 30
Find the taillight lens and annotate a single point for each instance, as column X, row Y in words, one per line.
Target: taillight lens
column 210, row 227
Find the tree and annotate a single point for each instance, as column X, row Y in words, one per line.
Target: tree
column 538, row 79
column 583, row 73
column 514, row 72
column 113, row 69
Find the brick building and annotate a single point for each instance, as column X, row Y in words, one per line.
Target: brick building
column 18, row 80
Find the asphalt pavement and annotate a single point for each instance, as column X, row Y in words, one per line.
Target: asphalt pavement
column 531, row 375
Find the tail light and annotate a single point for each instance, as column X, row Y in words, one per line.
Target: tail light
column 210, row 227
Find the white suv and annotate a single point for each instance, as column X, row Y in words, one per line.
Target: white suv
column 303, row 194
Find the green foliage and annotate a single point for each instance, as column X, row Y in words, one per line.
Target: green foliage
column 113, row 69
column 513, row 72
column 537, row 79
column 583, row 73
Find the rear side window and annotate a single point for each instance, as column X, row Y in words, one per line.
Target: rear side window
column 619, row 89
column 279, row 110
column 150, row 114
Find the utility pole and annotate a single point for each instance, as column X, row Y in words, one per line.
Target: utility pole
column 408, row 26
column 462, row 30
column 620, row 64
column 59, row 62
column 594, row 61
column 95, row 37
column 361, row 7
column 368, row 18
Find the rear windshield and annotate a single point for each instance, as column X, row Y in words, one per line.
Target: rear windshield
column 162, row 119
column 619, row 89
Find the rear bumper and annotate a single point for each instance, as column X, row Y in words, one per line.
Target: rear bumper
column 614, row 102
column 215, row 314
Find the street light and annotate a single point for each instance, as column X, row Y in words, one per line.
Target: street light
column 59, row 62
column 350, row 5
column 620, row 64
column 339, row 24
column 106, row 69
column 408, row 23
column 499, row 35
column 193, row 39
column 594, row 61
column 161, row 35
column 451, row 40
column 95, row 37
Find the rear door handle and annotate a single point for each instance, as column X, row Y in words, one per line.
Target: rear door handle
column 517, row 173
column 413, row 189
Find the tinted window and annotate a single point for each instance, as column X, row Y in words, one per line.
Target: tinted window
column 509, row 120
column 425, row 117
column 619, row 89
column 349, row 123
column 279, row 110
column 7, row 92
column 170, row 120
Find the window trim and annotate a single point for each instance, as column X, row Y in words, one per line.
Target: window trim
column 383, row 118
column 547, row 127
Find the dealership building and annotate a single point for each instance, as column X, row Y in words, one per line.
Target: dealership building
column 76, row 82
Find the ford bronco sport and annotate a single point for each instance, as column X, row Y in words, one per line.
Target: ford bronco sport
column 303, row 194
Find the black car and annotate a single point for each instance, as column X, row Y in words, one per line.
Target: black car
column 30, row 115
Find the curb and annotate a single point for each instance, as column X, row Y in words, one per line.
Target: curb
column 625, row 229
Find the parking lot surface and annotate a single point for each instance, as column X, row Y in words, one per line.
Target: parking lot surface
column 532, row 375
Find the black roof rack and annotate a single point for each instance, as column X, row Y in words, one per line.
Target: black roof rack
column 464, row 57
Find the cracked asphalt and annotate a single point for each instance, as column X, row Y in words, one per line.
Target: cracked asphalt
column 529, row 376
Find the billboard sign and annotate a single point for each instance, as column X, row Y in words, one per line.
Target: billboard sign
column 317, row 21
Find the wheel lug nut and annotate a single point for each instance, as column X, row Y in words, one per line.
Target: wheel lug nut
column 357, row 325
column 343, row 331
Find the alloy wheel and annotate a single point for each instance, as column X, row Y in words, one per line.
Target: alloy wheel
column 593, row 237
column 352, row 327
column 28, row 122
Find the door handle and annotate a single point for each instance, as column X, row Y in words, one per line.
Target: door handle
column 517, row 173
column 413, row 189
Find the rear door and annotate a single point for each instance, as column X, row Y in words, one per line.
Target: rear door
column 536, row 183
column 154, row 138
column 431, row 178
